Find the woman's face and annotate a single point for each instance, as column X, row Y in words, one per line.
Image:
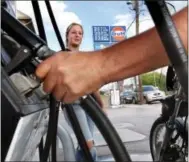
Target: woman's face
column 75, row 36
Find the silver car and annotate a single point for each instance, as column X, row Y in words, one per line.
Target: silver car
column 151, row 94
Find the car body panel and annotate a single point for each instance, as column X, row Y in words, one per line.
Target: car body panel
column 151, row 93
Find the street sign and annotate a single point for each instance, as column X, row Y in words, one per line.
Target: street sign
column 104, row 36
column 101, row 34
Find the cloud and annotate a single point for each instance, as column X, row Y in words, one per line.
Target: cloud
column 63, row 17
column 125, row 20
column 145, row 21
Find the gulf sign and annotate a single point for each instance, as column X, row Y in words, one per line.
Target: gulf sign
column 117, row 33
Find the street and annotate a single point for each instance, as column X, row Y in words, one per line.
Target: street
column 133, row 124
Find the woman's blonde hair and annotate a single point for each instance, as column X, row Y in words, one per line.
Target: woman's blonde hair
column 69, row 28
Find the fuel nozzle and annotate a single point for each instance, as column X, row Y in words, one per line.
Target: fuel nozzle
column 30, row 45
column 24, row 36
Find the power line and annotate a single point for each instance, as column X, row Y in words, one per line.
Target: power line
column 132, row 22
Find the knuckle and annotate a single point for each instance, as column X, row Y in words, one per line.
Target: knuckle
column 57, row 96
column 60, row 69
column 74, row 90
column 46, row 88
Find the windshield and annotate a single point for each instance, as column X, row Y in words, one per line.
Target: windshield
column 126, row 93
column 149, row 88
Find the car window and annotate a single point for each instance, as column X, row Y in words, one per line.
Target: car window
column 148, row 88
column 128, row 93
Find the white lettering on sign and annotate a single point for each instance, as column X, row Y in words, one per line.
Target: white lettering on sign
column 118, row 33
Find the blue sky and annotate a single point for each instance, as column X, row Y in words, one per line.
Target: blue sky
column 107, row 13
column 92, row 13
column 96, row 13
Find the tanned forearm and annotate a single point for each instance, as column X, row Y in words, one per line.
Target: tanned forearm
column 140, row 54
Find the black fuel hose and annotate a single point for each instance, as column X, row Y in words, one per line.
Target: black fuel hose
column 78, row 132
column 53, row 115
column 39, row 20
column 69, row 108
column 57, row 32
column 52, row 129
column 105, row 127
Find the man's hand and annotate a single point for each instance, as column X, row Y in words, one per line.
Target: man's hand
column 70, row 76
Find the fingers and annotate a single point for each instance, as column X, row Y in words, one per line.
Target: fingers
column 49, row 81
column 69, row 98
column 61, row 79
column 42, row 69
column 59, row 92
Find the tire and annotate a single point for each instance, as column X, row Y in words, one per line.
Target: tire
column 145, row 100
column 156, row 125
column 121, row 101
column 155, row 146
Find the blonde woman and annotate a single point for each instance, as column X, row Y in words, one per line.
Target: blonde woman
column 74, row 36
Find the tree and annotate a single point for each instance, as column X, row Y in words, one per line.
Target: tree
column 155, row 79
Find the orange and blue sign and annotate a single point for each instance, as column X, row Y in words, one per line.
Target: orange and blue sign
column 117, row 33
column 104, row 36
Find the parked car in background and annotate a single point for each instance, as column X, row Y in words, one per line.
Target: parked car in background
column 127, row 97
column 150, row 94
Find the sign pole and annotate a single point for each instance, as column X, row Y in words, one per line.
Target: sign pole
column 137, row 32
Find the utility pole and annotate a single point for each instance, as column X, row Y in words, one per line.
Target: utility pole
column 137, row 32
column 135, row 7
column 154, row 78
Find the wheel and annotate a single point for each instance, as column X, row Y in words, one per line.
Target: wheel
column 133, row 101
column 156, row 139
column 154, row 133
column 145, row 100
column 122, row 101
